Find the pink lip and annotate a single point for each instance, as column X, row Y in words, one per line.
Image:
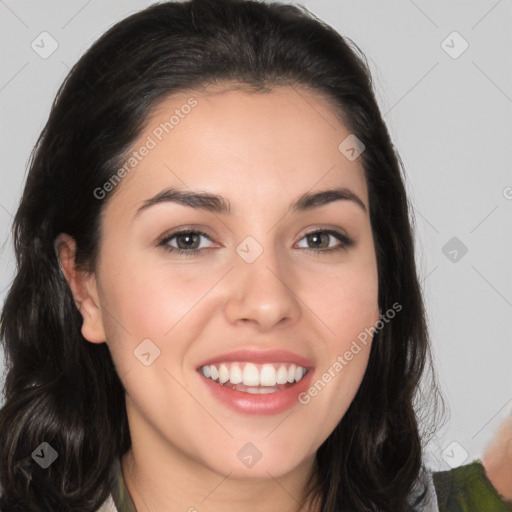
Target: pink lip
column 257, row 355
column 262, row 404
column 252, row 404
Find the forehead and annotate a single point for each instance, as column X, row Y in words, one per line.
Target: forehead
column 260, row 147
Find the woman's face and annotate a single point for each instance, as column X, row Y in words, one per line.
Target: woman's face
column 256, row 282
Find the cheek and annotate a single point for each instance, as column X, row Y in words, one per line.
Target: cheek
column 345, row 299
column 348, row 306
column 148, row 300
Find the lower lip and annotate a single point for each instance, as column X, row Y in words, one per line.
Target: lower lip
column 262, row 404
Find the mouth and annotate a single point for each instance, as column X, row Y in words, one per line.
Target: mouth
column 256, row 389
column 254, row 378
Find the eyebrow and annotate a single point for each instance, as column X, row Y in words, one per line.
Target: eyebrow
column 218, row 204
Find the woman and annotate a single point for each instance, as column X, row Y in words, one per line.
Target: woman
column 216, row 305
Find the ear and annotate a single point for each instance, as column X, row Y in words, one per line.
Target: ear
column 84, row 288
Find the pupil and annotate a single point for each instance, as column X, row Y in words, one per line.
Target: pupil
column 316, row 238
column 187, row 236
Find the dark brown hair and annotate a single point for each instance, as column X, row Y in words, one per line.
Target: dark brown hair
column 64, row 390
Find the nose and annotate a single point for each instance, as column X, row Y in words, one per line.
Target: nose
column 263, row 293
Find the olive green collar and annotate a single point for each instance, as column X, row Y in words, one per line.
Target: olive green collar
column 120, row 495
column 458, row 490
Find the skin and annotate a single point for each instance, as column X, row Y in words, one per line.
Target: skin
column 191, row 308
column 261, row 151
column 497, row 460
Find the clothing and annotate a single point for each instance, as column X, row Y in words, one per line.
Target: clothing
column 463, row 489
column 467, row 489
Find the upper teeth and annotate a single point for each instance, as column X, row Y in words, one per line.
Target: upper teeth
column 254, row 375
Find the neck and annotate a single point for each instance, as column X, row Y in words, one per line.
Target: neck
column 163, row 481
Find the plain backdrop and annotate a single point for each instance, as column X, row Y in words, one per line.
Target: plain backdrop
column 442, row 73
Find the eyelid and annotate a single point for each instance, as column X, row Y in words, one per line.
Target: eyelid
column 345, row 240
column 324, row 229
column 184, row 229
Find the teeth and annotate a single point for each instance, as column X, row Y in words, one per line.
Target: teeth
column 267, row 375
column 235, row 374
column 261, row 391
column 291, row 373
column 282, row 375
column 251, row 375
column 223, row 373
column 264, row 391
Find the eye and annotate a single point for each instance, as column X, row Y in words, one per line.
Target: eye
column 322, row 237
column 187, row 242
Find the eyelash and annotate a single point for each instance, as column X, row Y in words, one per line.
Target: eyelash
column 346, row 242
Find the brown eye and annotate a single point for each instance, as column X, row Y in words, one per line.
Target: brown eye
column 321, row 240
column 187, row 242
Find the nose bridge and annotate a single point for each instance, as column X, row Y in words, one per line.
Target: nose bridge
column 262, row 289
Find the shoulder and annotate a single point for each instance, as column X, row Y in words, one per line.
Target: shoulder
column 119, row 499
column 467, row 489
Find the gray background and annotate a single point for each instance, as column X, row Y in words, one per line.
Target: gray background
column 450, row 119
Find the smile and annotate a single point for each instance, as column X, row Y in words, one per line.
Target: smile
column 256, row 389
column 254, row 378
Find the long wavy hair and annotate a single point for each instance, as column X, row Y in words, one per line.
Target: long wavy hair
column 65, row 391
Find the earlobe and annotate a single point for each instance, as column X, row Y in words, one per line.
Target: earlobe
column 84, row 288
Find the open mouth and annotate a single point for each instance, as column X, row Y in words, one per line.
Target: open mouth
column 254, row 378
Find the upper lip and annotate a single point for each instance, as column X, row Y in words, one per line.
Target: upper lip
column 258, row 355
